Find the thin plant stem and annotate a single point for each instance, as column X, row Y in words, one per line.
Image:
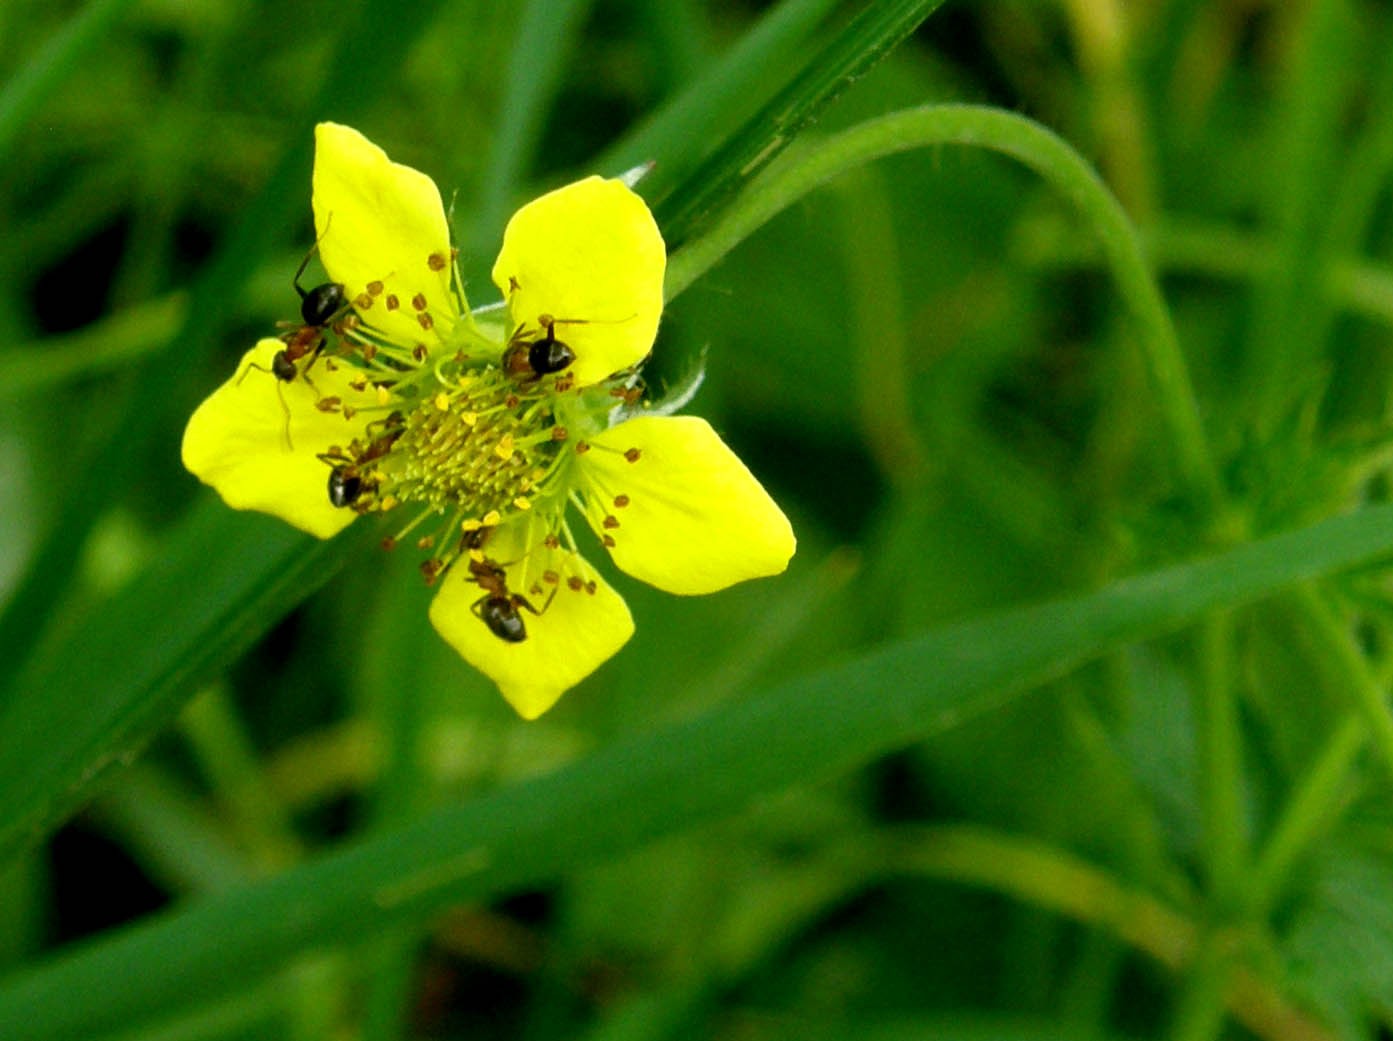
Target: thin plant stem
column 1200, row 1008
column 1065, row 170
column 1308, row 814
column 1221, row 756
column 223, row 749
column 877, row 315
column 1036, row 873
column 1338, row 650
column 1100, row 34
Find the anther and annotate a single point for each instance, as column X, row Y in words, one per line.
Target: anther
column 420, row 352
column 425, row 320
column 437, row 262
column 375, row 288
column 551, row 542
column 608, row 541
column 620, row 501
column 550, row 577
column 558, row 433
column 419, row 301
column 611, row 521
column 362, row 301
column 632, row 455
column 575, row 583
column 582, row 447
column 392, row 302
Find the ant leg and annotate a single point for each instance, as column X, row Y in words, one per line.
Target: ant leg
column 313, row 356
column 253, row 365
column 305, row 263
column 521, row 601
column 280, row 393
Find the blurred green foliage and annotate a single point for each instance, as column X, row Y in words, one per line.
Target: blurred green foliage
column 1157, row 809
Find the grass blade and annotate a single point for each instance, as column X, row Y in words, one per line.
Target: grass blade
column 94, row 700
column 865, row 40
column 650, row 786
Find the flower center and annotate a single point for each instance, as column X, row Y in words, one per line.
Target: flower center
column 475, row 447
column 468, row 446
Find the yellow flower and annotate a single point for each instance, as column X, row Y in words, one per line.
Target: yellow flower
column 485, row 435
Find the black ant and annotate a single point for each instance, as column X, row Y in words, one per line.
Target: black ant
column 498, row 608
column 529, row 359
column 345, row 485
column 346, row 481
column 319, row 308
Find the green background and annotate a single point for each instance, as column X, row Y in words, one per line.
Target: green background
column 1068, row 720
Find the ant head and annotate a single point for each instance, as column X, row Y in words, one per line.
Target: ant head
column 283, row 367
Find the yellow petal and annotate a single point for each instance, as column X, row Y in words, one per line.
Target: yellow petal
column 581, row 624
column 590, row 256
column 383, row 223
column 678, row 509
column 238, row 440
